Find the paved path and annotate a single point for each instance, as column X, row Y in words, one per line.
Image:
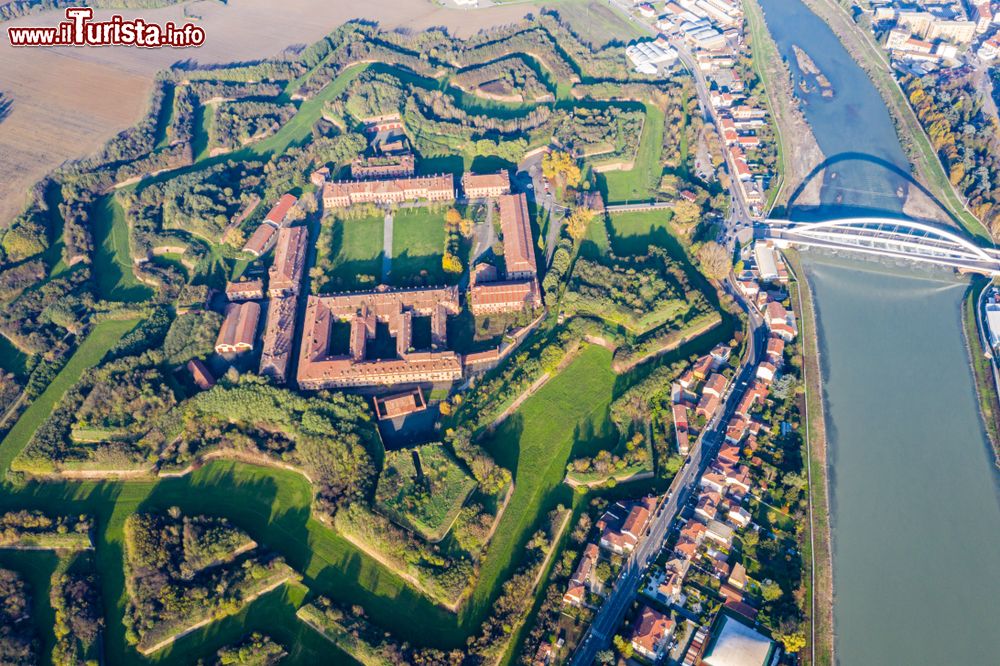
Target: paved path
column 387, row 247
column 483, row 232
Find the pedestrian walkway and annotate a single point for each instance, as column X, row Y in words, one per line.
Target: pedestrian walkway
column 387, row 247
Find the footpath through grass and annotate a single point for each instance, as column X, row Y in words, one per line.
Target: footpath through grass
column 104, row 336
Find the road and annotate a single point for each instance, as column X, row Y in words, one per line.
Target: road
column 739, row 210
column 609, row 616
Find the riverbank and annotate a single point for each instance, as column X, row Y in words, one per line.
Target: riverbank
column 822, row 650
column 982, row 367
column 798, row 152
column 924, row 162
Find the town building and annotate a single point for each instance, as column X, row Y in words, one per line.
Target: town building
column 487, row 185
column 239, row 328
column 383, row 166
column 651, row 633
column 279, row 329
column 342, row 194
column 780, row 321
column 319, row 176
column 647, row 57
column 261, row 240
column 734, row 643
column 520, row 287
column 285, row 273
column 200, row 374
column 245, row 290
column 280, row 212
column 582, row 580
column 265, row 235
column 621, row 536
column 399, row 404
column 321, row 366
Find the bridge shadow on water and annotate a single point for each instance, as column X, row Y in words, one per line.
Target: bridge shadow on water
column 833, row 209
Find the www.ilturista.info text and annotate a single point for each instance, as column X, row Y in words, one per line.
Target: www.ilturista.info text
column 80, row 30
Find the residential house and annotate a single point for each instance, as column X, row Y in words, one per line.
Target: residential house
column 651, row 633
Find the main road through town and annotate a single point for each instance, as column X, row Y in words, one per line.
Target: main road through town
column 609, row 616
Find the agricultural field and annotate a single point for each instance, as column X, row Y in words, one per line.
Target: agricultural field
column 104, row 92
column 423, row 489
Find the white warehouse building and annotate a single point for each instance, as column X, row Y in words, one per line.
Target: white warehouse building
column 647, row 56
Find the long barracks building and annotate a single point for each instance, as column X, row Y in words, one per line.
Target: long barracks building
column 320, row 366
column 342, row 194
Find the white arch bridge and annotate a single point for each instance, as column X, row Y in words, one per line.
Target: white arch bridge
column 886, row 237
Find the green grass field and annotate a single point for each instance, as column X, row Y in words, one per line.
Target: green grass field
column 418, row 246
column 641, row 181
column 101, row 339
column 358, row 247
column 633, row 232
column 536, row 442
column 112, row 259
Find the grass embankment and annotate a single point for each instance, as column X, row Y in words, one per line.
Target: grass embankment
column 764, row 50
column 642, row 180
column 817, row 547
column 116, row 281
column 982, row 367
column 273, row 506
column 104, row 336
column 536, row 442
column 860, row 43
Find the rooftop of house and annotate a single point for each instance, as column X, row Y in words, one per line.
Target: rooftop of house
column 651, row 628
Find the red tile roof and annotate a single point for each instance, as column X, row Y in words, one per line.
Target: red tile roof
column 281, row 209
column 518, row 247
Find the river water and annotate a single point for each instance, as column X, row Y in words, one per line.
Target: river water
column 915, row 497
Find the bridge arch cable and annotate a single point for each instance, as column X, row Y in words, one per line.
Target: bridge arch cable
column 891, row 231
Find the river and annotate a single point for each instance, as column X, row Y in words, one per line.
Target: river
column 915, row 498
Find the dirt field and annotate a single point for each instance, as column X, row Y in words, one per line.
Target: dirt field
column 66, row 102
